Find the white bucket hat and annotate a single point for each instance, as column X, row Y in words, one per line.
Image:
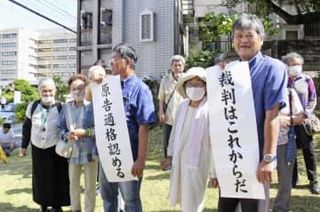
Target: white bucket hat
column 191, row 73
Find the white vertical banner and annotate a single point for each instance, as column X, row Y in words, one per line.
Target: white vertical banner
column 111, row 131
column 17, row 96
column 233, row 131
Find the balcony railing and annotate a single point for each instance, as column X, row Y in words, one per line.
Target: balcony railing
column 187, row 7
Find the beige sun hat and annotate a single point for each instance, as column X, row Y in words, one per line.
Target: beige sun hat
column 191, row 73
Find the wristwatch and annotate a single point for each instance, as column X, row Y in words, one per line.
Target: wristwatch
column 268, row 158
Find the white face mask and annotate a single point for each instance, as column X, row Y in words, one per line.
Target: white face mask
column 195, row 93
column 48, row 100
column 78, row 95
column 294, row 70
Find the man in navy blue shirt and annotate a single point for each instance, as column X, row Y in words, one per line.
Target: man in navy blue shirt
column 139, row 112
column 269, row 81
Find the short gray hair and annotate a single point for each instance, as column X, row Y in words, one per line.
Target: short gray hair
column 46, row 82
column 178, row 58
column 250, row 22
column 126, row 52
column 291, row 56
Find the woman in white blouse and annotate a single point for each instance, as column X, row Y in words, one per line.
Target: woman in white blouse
column 50, row 180
column 189, row 150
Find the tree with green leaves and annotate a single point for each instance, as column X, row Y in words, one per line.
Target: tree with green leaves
column 306, row 11
column 212, row 27
column 62, row 89
column 28, row 93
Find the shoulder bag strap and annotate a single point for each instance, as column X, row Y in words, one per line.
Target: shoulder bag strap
column 170, row 97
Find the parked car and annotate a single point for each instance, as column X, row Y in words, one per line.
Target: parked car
column 8, row 113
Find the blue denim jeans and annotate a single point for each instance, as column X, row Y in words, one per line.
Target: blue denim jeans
column 130, row 192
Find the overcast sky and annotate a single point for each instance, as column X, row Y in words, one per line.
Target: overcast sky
column 62, row 11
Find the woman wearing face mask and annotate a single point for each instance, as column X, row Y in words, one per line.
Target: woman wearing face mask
column 305, row 88
column 50, row 181
column 76, row 126
column 189, row 150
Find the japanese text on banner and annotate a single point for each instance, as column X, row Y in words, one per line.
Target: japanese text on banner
column 111, row 129
column 233, row 131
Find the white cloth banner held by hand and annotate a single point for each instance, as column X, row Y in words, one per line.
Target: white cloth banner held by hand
column 111, row 131
column 233, row 130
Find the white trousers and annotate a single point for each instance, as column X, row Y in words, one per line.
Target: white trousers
column 90, row 177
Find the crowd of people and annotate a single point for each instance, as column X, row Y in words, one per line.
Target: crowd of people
column 283, row 99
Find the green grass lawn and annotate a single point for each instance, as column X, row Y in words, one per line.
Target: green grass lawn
column 16, row 191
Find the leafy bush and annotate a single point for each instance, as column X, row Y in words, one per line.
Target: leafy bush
column 62, row 89
column 203, row 58
column 20, row 111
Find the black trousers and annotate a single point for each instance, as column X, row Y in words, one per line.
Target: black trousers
column 230, row 204
column 166, row 128
column 310, row 162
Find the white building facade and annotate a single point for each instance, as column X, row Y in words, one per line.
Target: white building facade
column 32, row 55
column 56, row 54
column 17, row 55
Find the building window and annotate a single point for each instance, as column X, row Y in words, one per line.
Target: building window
column 86, row 20
column 59, row 66
column 44, row 41
column 60, row 41
column 8, row 71
column 45, row 58
column 10, row 35
column 9, row 45
column 146, row 26
column 105, row 17
column 8, row 62
column 44, row 50
column 105, row 27
column 13, row 53
column 60, row 49
column 291, row 35
column 61, row 57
